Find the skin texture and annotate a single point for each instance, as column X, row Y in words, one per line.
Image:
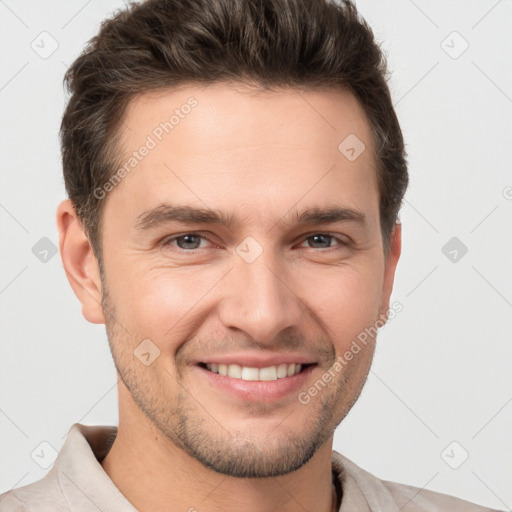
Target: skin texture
column 259, row 157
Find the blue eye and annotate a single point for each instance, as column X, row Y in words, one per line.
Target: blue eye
column 324, row 240
column 187, row 242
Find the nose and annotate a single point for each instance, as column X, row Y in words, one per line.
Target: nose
column 259, row 299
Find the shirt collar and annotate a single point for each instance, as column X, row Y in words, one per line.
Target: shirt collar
column 84, row 483
column 88, row 488
column 362, row 492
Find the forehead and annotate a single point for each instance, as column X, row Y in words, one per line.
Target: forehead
column 259, row 150
column 247, row 114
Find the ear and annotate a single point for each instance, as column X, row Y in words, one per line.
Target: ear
column 390, row 263
column 79, row 262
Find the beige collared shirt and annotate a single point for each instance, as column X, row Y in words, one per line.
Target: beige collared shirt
column 77, row 482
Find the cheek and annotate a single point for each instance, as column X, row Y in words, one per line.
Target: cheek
column 345, row 299
column 164, row 303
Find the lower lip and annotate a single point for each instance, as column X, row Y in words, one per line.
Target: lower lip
column 258, row 390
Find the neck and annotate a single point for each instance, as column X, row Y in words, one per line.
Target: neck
column 154, row 474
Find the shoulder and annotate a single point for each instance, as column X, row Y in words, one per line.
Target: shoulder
column 415, row 499
column 44, row 495
column 392, row 496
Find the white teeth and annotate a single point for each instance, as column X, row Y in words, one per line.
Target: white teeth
column 250, row 373
column 236, row 371
column 282, row 371
column 269, row 373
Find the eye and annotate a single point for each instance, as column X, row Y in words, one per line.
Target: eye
column 186, row 242
column 323, row 241
column 193, row 241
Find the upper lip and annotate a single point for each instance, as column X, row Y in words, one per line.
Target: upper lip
column 257, row 360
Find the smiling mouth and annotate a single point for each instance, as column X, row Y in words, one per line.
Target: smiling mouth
column 269, row 373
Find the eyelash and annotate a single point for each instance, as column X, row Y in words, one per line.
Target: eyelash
column 168, row 241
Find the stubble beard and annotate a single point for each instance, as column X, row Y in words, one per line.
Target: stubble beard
column 194, row 430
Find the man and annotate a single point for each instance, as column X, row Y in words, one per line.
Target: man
column 234, row 171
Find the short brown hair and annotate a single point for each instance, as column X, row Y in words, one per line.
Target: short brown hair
column 157, row 44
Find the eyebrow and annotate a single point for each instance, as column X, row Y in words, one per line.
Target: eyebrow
column 167, row 213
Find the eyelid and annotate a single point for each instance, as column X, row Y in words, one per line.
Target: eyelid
column 336, row 236
column 167, row 241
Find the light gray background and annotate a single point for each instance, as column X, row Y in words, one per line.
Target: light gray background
column 442, row 368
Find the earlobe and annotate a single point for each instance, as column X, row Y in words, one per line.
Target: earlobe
column 390, row 263
column 80, row 263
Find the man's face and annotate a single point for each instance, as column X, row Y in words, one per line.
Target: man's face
column 262, row 291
